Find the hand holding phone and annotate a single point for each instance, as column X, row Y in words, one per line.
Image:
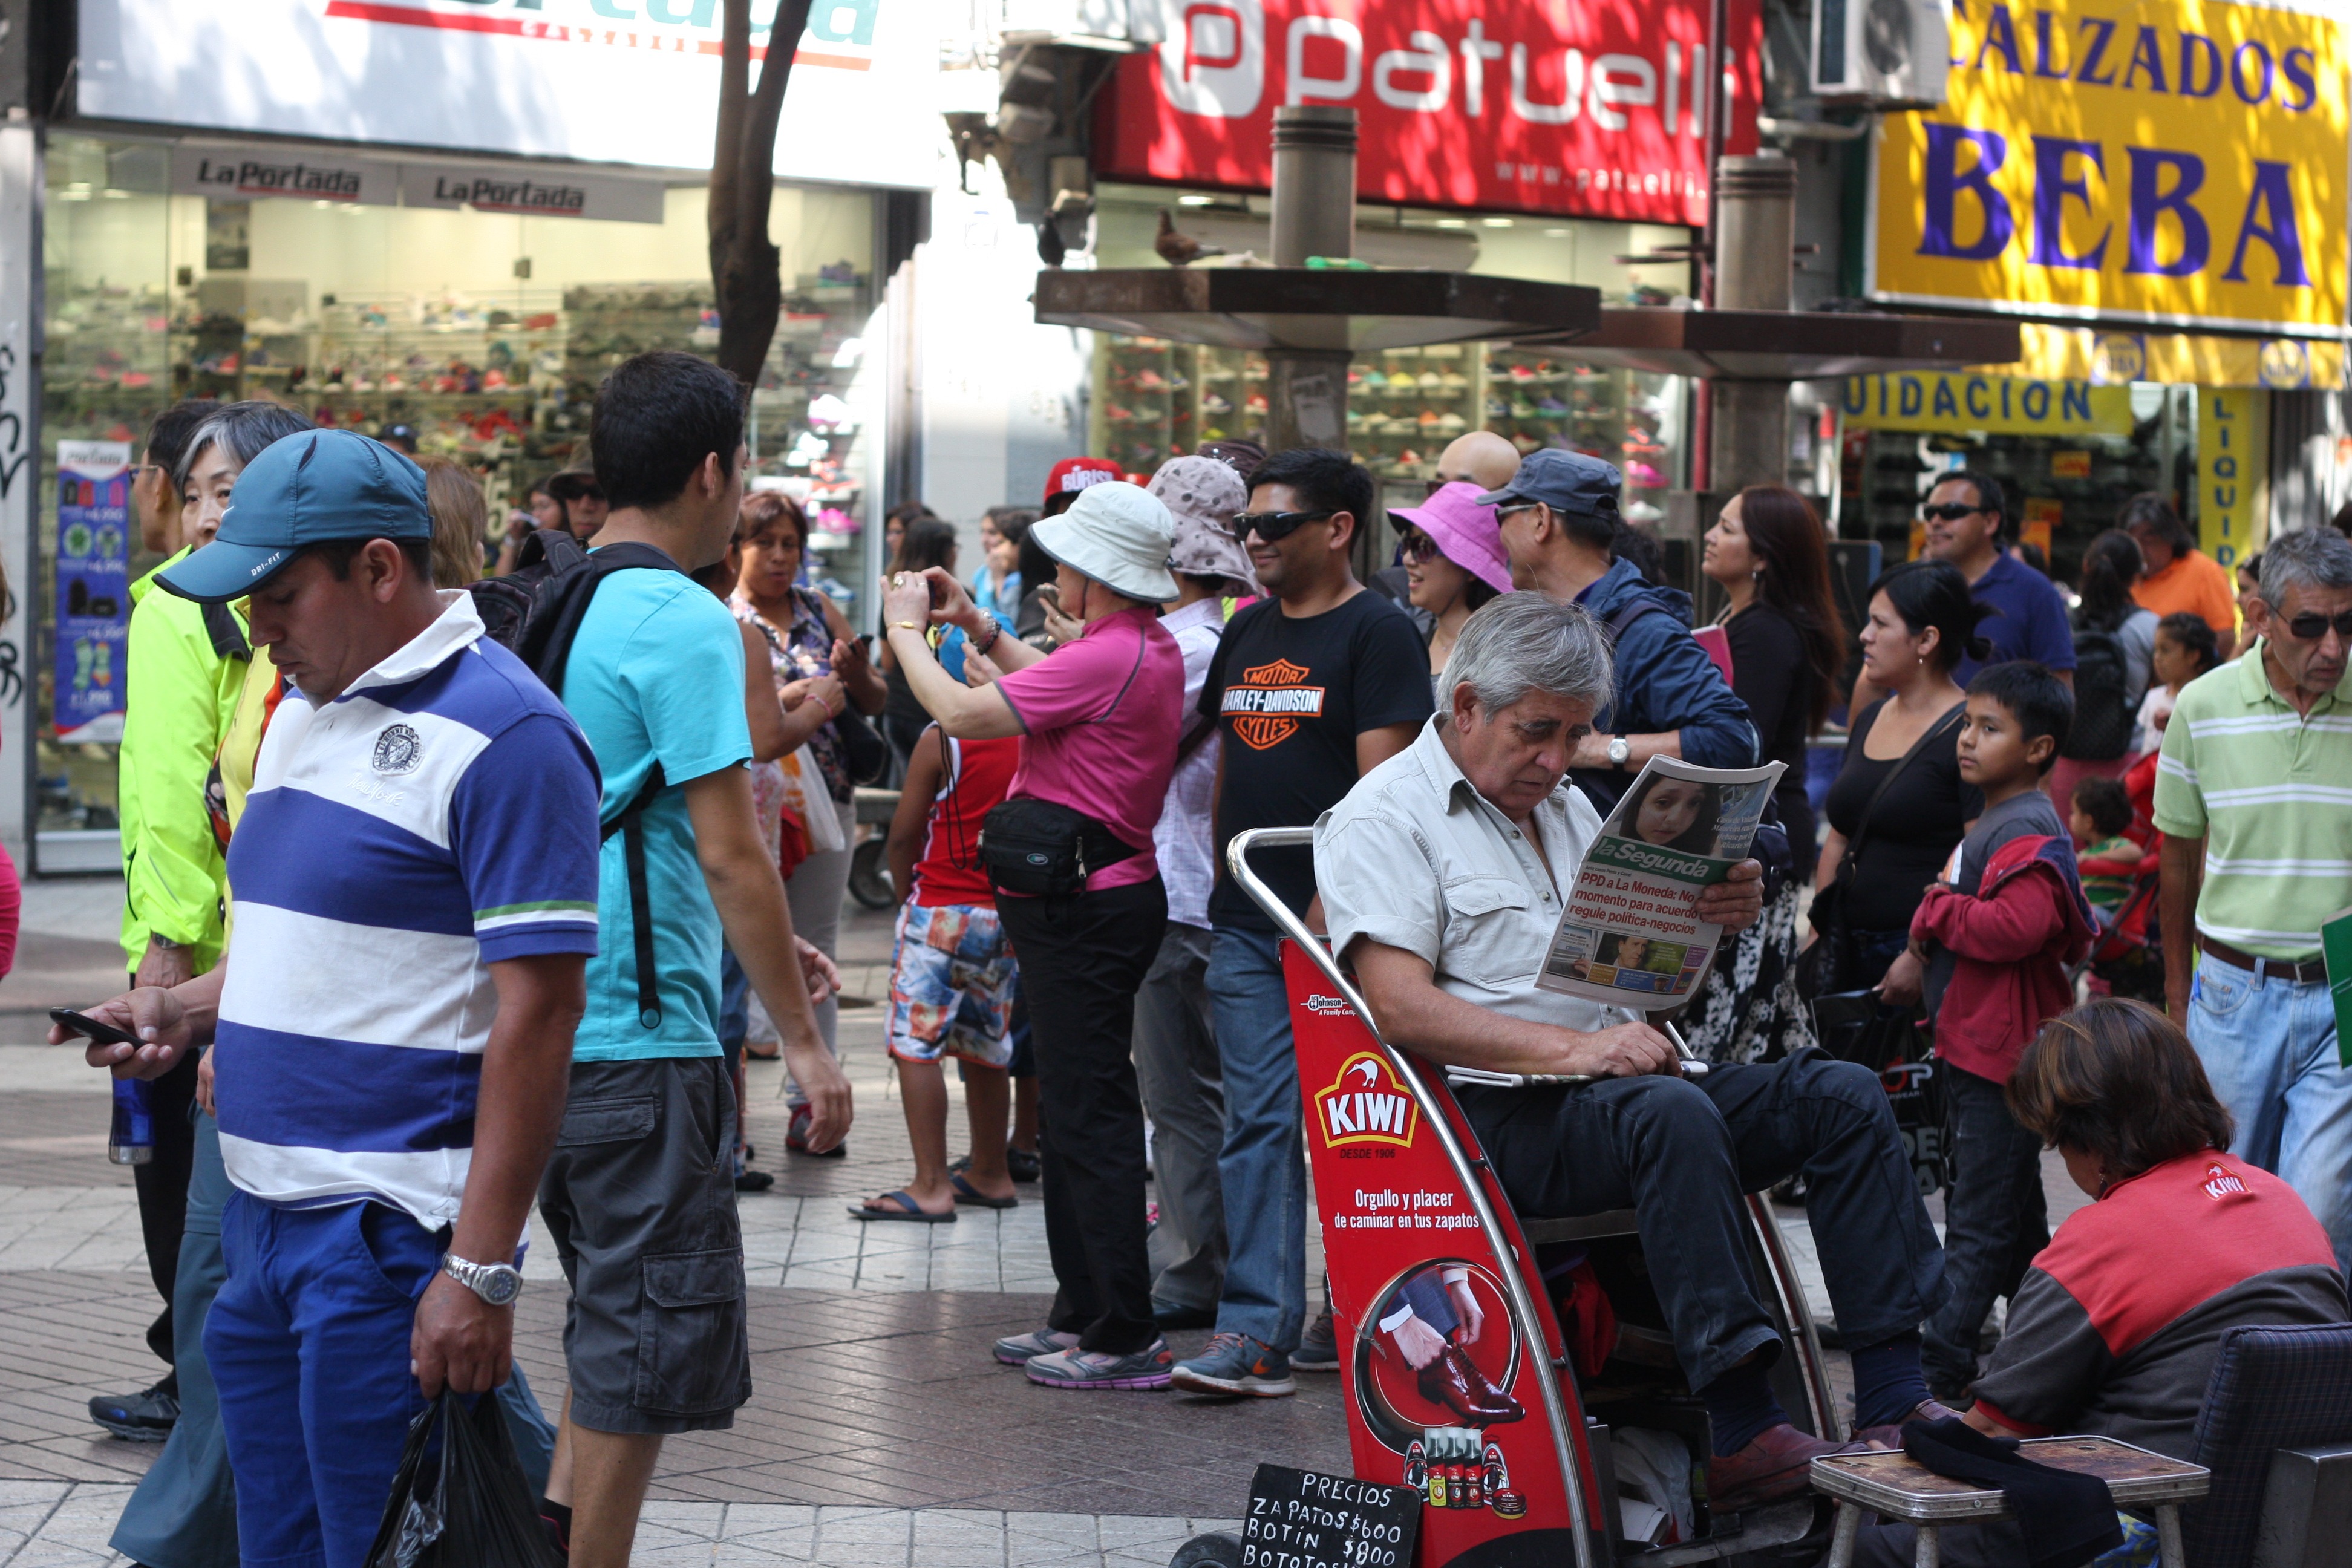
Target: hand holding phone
column 90, row 1028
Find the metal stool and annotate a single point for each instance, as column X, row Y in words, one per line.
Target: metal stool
column 1895, row 1486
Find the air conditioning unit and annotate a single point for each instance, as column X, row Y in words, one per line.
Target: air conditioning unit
column 1880, row 54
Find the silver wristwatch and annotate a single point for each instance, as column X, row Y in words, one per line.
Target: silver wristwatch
column 1621, row 751
column 496, row 1283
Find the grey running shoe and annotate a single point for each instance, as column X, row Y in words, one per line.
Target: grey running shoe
column 1074, row 1368
column 1319, row 1348
column 1019, row 1350
column 1236, row 1364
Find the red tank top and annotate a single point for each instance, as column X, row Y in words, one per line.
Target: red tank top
column 948, row 870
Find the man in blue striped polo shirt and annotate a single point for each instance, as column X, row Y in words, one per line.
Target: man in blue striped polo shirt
column 414, row 891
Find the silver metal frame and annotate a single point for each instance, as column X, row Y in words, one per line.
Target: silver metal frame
column 1524, row 1321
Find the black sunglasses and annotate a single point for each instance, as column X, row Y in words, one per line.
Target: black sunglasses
column 1419, row 548
column 2310, row 628
column 1950, row 511
column 1271, row 526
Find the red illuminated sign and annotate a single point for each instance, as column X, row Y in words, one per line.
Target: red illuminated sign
column 1583, row 107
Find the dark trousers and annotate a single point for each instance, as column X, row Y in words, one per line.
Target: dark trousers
column 163, row 1183
column 1995, row 1219
column 1680, row 1154
column 1082, row 961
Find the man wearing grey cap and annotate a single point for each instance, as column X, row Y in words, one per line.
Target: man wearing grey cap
column 413, row 898
column 1559, row 519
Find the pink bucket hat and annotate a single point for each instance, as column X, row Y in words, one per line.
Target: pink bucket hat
column 1466, row 533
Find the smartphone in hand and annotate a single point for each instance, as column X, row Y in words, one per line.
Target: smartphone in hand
column 90, row 1028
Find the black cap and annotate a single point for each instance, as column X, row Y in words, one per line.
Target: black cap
column 1569, row 482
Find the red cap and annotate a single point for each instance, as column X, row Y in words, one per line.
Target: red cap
column 1078, row 473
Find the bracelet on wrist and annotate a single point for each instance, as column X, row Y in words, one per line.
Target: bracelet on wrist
column 995, row 630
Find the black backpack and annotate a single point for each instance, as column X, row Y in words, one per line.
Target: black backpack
column 536, row 610
column 2103, row 719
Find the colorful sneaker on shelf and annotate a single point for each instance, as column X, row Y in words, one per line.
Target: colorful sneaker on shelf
column 1522, row 409
column 1401, row 379
column 1020, row 1350
column 1497, row 409
column 1236, row 1364
column 1428, row 380
column 1115, row 414
column 1450, row 424
column 1453, row 380
column 1214, row 404
column 1640, row 476
column 1550, row 406
column 1428, row 420
column 1149, row 379
column 1145, row 1371
column 1256, row 403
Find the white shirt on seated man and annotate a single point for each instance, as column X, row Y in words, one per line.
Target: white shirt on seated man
column 1441, row 874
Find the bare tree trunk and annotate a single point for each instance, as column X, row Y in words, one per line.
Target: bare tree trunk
column 745, row 267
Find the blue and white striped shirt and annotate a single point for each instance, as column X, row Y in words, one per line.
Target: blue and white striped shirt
column 438, row 818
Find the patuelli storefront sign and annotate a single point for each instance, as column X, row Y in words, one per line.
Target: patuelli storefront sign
column 1593, row 110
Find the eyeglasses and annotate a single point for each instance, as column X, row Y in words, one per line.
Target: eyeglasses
column 2310, row 628
column 1419, row 548
column 1272, row 526
column 1951, row 512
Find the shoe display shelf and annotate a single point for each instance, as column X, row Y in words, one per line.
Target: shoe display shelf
column 1150, row 401
column 1627, row 417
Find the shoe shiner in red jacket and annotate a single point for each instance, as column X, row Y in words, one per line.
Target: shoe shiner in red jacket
column 2114, row 1331
column 1997, row 935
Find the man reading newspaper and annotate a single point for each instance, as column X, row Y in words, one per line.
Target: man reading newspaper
column 1443, row 874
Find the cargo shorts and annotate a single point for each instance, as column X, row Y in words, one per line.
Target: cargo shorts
column 640, row 1198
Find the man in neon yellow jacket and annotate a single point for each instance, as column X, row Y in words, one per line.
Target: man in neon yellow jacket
column 187, row 666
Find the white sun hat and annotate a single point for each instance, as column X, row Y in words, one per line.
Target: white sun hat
column 1118, row 535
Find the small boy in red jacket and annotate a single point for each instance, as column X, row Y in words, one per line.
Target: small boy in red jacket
column 1996, row 938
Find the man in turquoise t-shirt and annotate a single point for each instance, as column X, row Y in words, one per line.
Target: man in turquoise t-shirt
column 642, row 1213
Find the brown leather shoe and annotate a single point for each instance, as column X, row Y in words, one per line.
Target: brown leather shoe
column 1773, row 1467
column 1500, row 1406
column 1442, row 1383
column 1891, row 1434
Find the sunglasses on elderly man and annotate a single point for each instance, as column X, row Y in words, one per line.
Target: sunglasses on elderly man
column 2312, row 628
column 1272, row 526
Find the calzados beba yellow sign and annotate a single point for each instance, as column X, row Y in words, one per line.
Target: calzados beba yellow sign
column 2166, row 161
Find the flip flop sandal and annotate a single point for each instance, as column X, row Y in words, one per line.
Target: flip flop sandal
column 909, row 1212
column 965, row 1193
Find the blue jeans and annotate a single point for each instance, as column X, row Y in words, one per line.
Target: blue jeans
column 2269, row 1047
column 1262, row 1166
column 308, row 1342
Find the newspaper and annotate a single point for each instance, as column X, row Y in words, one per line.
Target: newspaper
column 1630, row 936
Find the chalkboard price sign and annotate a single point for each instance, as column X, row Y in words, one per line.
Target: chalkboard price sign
column 1298, row 1519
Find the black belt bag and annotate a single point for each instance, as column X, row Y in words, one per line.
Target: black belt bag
column 1044, row 849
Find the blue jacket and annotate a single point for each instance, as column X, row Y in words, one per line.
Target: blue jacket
column 1665, row 681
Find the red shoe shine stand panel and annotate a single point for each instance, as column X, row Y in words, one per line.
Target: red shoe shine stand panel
column 1446, row 1397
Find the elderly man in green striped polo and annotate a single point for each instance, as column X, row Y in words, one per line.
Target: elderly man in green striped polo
column 2253, row 795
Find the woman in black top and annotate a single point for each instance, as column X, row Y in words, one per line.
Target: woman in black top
column 1769, row 553
column 1922, row 619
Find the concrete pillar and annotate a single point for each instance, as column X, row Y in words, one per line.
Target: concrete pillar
column 1314, row 215
column 1756, row 216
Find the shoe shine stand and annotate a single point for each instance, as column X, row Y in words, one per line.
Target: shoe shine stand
column 1515, row 1472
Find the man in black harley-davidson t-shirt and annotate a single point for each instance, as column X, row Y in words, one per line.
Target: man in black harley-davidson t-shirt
column 1311, row 687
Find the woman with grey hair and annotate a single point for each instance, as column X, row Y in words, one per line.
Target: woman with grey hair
column 228, row 439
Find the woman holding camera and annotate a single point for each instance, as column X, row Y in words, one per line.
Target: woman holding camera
column 1080, row 897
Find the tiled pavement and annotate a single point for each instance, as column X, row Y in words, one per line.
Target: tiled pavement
column 879, row 1431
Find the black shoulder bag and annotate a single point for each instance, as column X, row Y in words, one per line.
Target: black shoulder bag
column 1822, row 968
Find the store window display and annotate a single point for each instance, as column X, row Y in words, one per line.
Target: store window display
column 479, row 336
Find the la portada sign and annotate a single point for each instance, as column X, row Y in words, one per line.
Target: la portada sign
column 625, row 82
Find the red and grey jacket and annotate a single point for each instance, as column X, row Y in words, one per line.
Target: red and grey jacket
column 2011, row 945
column 2114, row 1330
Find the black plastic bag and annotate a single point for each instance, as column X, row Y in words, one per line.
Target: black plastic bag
column 469, row 1509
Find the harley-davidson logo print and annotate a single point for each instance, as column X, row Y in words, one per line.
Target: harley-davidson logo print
column 1267, row 702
